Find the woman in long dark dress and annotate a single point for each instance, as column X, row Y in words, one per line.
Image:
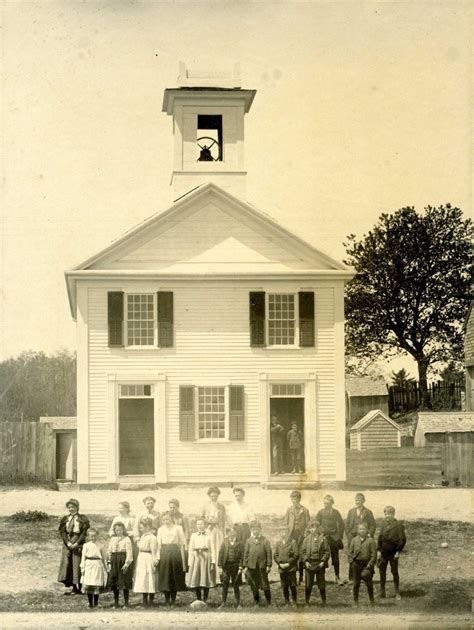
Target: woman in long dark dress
column 73, row 531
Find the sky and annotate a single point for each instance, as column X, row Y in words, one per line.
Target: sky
column 361, row 108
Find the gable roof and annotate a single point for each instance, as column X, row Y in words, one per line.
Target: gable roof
column 116, row 260
column 366, row 386
column 446, row 422
column 371, row 415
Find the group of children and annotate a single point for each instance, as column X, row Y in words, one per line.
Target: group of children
column 158, row 553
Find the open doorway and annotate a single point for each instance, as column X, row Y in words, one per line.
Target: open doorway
column 287, row 434
column 136, row 430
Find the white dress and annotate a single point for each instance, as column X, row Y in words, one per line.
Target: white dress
column 144, row 581
column 93, row 567
column 202, row 552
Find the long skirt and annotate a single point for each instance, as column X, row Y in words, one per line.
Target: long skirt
column 70, row 566
column 170, row 569
column 217, row 536
column 144, row 574
column 119, row 581
column 94, row 578
column 200, row 574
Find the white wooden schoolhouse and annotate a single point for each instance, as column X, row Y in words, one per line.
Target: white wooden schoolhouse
column 206, row 319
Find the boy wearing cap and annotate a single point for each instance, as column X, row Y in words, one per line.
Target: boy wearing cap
column 229, row 561
column 258, row 562
column 362, row 558
column 357, row 515
column 286, row 557
column 297, row 519
column 390, row 543
column 315, row 554
column 332, row 526
column 73, row 531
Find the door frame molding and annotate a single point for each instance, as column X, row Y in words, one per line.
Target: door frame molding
column 158, row 382
column 308, row 379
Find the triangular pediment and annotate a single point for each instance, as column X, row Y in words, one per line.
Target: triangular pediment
column 210, row 230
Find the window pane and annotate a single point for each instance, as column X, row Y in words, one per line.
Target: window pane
column 281, row 319
column 211, row 411
column 140, row 320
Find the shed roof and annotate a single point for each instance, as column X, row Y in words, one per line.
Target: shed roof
column 61, row 423
column 446, row 422
column 366, row 386
column 371, row 415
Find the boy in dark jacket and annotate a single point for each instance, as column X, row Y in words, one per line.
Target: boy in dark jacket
column 390, row 543
column 332, row 526
column 286, row 557
column 362, row 558
column 258, row 562
column 357, row 515
column 229, row 562
column 315, row 554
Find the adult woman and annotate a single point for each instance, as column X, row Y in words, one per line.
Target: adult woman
column 73, row 531
column 214, row 515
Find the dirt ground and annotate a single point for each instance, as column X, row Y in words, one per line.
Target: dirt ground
column 436, row 581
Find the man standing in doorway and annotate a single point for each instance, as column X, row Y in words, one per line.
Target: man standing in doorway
column 277, row 434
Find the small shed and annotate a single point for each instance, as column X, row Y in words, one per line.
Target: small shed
column 455, row 431
column 363, row 394
column 375, row 430
column 65, row 436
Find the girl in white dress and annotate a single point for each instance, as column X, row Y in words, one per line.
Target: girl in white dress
column 215, row 516
column 145, row 566
column 171, row 559
column 202, row 561
column 93, row 568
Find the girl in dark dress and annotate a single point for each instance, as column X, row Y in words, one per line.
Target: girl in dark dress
column 171, row 560
column 120, row 564
column 73, row 531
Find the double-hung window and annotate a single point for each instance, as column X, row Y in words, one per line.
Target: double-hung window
column 211, row 413
column 281, row 320
column 140, row 319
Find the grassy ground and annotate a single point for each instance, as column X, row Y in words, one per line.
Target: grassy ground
column 432, row 578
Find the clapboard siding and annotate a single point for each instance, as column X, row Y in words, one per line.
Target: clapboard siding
column 211, row 342
column 378, row 433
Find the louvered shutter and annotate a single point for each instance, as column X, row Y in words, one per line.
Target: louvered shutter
column 306, row 312
column 115, row 318
column 165, row 319
column 186, row 413
column 236, row 412
column 257, row 318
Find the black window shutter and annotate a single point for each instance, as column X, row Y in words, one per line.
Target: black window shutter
column 306, row 310
column 236, row 412
column 257, row 318
column 186, row 413
column 165, row 319
column 115, row 318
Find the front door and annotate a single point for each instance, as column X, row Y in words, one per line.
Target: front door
column 288, row 411
column 136, row 436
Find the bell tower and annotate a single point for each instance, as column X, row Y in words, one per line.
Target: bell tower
column 208, row 112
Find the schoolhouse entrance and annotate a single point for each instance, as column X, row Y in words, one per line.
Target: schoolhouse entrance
column 136, row 430
column 287, row 405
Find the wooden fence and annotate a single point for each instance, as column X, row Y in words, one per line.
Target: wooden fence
column 27, row 452
column 441, row 395
column 395, row 467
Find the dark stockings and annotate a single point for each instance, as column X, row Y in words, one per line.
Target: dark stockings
column 148, row 599
column 202, row 593
column 286, row 593
column 93, row 600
